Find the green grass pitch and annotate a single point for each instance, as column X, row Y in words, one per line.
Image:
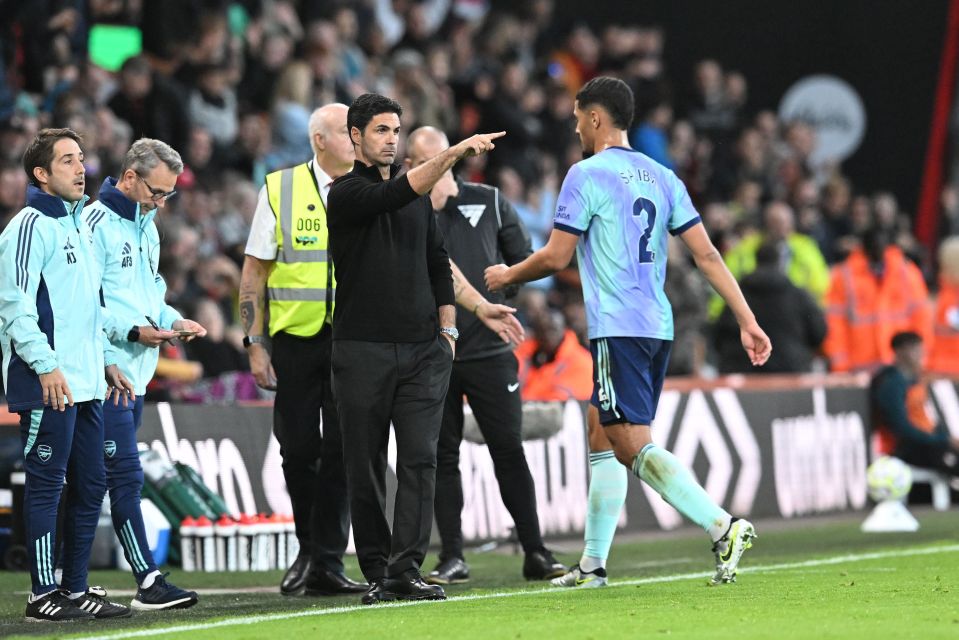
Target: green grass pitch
column 805, row 579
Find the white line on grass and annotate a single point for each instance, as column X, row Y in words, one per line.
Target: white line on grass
column 770, row 568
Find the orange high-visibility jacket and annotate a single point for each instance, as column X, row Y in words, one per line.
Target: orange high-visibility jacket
column 864, row 312
column 569, row 375
column 944, row 354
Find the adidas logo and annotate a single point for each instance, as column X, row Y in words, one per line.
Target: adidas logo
column 49, row 609
column 91, row 606
column 472, row 212
column 127, row 260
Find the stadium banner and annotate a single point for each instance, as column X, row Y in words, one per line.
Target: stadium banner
column 760, row 453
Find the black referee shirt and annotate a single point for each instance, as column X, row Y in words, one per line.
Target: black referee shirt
column 392, row 270
column 481, row 228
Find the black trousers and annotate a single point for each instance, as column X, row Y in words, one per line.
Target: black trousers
column 492, row 389
column 312, row 461
column 376, row 383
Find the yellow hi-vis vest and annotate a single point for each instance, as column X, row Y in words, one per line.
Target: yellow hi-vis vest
column 300, row 289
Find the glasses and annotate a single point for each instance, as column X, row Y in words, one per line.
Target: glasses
column 156, row 194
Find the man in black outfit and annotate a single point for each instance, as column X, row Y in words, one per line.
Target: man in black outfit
column 480, row 228
column 394, row 332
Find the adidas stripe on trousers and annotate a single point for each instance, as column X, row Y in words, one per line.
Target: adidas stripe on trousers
column 57, row 447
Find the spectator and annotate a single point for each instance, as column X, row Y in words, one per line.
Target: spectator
column 553, row 365
column 799, row 256
column 944, row 355
column 149, row 105
column 873, row 294
column 898, row 399
column 792, row 320
column 13, row 192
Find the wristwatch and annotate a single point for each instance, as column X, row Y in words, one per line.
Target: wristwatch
column 134, row 335
column 248, row 340
column 452, row 332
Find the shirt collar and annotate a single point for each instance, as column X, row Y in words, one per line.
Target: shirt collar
column 372, row 171
column 51, row 205
column 322, row 177
column 116, row 200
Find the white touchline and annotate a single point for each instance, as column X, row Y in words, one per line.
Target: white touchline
column 784, row 566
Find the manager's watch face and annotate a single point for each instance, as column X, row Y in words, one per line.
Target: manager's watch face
column 452, row 332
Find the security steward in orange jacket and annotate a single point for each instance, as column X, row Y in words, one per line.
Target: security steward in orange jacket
column 873, row 294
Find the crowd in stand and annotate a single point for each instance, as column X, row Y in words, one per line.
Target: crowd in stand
column 231, row 86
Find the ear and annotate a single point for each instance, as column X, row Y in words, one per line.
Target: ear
column 596, row 118
column 408, row 164
column 319, row 141
column 355, row 135
column 40, row 175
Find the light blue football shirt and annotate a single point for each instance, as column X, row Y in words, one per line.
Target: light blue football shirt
column 621, row 203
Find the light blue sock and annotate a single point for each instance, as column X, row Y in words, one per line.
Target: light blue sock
column 607, row 494
column 663, row 472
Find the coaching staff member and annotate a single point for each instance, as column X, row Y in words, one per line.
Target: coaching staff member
column 480, row 228
column 287, row 265
column 394, row 334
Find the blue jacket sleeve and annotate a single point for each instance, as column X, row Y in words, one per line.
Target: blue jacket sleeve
column 23, row 254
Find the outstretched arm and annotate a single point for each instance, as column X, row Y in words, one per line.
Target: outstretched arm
column 498, row 318
column 551, row 258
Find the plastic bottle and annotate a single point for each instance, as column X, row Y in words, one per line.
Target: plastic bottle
column 225, row 532
column 188, row 556
column 246, row 532
column 204, row 534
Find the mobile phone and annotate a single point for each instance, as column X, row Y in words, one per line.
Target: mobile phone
column 185, row 333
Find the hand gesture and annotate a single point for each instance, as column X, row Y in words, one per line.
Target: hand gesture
column 495, row 277
column 150, row 337
column 56, row 391
column 499, row 319
column 756, row 343
column 118, row 386
column 478, row 144
column 189, row 325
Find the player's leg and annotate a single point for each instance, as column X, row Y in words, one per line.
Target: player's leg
column 633, row 371
column 492, row 388
column 448, row 499
column 46, row 435
column 607, row 494
column 125, row 483
column 86, row 486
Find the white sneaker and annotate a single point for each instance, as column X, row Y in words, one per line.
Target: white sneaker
column 579, row 579
column 730, row 548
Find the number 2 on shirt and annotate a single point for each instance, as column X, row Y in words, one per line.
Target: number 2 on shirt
column 641, row 206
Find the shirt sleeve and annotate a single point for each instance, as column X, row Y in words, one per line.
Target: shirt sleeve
column 683, row 214
column 262, row 241
column 355, row 201
column 572, row 207
column 514, row 239
column 23, row 254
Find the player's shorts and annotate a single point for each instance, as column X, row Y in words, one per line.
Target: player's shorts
column 628, row 375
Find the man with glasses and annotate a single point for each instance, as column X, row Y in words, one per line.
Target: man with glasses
column 126, row 246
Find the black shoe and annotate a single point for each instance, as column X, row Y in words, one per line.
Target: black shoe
column 410, row 586
column 95, row 601
column 295, row 577
column 449, row 571
column 541, row 565
column 323, row 582
column 55, row 607
column 163, row 595
column 378, row 592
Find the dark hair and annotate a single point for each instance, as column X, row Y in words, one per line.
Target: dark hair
column 612, row 94
column 905, row 339
column 368, row 105
column 40, row 152
column 767, row 255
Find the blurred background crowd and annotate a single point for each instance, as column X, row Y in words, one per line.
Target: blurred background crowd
column 231, row 84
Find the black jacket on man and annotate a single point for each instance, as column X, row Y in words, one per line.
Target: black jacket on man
column 391, row 267
column 789, row 316
column 480, row 228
